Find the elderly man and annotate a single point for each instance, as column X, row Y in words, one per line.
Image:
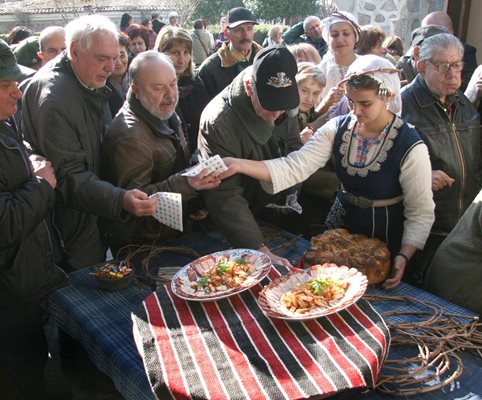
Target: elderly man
column 63, row 111
column 248, row 120
column 450, row 126
column 145, row 148
column 237, row 53
column 470, row 60
column 27, row 253
column 52, row 43
column 408, row 63
column 308, row 31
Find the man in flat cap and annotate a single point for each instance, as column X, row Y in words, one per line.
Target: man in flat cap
column 27, row 253
column 408, row 63
column 250, row 118
column 237, row 53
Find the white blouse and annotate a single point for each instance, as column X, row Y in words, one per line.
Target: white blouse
column 471, row 91
column 334, row 73
column 415, row 178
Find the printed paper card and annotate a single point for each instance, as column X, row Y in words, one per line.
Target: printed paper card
column 212, row 164
column 169, row 209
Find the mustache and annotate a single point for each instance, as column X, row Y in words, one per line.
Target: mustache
column 242, row 41
column 169, row 102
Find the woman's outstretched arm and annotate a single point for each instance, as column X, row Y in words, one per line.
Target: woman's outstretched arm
column 252, row 168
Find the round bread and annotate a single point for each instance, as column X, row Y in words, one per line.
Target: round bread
column 369, row 255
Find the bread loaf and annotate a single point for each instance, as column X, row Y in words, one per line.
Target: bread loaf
column 369, row 255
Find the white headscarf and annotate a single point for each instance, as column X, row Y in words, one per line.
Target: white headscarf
column 384, row 73
column 335, row 19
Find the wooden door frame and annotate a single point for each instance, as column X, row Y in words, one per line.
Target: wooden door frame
column 459, row 11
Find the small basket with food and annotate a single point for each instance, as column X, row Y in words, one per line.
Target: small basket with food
column 114, row 275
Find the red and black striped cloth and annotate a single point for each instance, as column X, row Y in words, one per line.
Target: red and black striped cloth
column 230, row 350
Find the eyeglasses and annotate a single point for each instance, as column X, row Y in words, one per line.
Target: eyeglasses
column 444, row 67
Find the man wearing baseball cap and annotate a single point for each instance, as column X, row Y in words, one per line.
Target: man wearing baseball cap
column 27, row 255
column 251, row 118
column 237, row 53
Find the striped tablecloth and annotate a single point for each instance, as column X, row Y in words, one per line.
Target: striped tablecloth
column 230, row 349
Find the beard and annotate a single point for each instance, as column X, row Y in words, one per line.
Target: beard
column 154, row 108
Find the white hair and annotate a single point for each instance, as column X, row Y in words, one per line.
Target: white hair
column 439, row 41
column 47, row 33
column 80, row 30
column 309, row 20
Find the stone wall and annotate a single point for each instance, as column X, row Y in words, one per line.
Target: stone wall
column 395, row 17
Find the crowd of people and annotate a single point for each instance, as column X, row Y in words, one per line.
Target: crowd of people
column 327, row 116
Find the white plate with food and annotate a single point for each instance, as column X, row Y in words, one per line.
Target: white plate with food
column 321, row 290
column 221, row 274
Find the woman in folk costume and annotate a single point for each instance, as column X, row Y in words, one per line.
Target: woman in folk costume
column 380, row 160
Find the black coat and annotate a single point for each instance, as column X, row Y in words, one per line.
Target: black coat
column 27, row 270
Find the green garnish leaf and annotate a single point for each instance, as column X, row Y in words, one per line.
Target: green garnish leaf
column 240, row 260
column 203, row 281
column 222, row 268
column 318, row 286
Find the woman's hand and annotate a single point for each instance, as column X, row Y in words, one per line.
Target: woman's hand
column 306, row 134
column 440, row 179
column 204, row 180
column 399, row 264
column 274, row 258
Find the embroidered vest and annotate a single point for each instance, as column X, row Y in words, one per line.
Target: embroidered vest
column 378, row 179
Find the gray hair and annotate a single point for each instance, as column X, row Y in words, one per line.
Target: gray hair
column 441, row 40
column 47, row 33
column 144, row 57
column 309, row 20
column 310, row 70
column 80, row 30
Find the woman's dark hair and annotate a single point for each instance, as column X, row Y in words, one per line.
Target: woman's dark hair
column 135, row 30
column 395, row 44
column 123, row 39
column 124, row 23
column 370, row 37
column 364, row 82
column 17, row 34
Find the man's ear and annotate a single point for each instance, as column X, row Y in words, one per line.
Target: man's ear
column 74, row 51
column 41, row 56
column 227, row 34
column 135, row 89
column 248, row 88
column 421, row 67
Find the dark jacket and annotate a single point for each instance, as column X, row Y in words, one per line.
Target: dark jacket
column 408, row 73
column 65, row 123
column 231, row 128
column 296, row 35
column 27, row 270
column 470, row 65
column 220, row 68
column 454, row 146
column 143, row 152
column 193, row 98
